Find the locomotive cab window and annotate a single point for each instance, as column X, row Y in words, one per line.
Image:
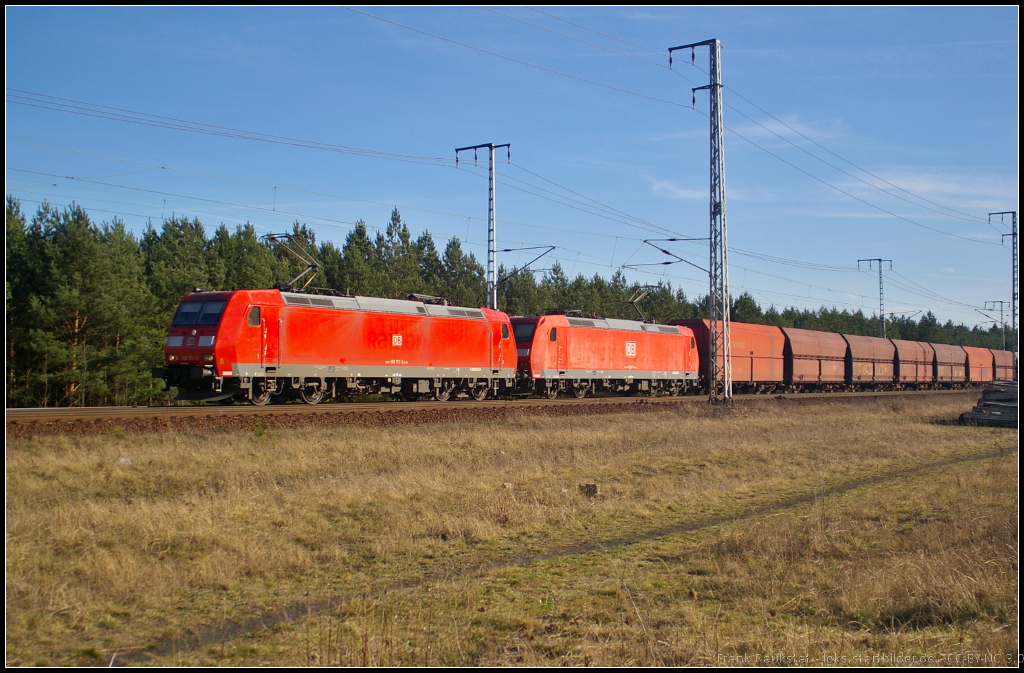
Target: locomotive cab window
column 554, row 334
column 254, row 316
column 198, row 313
column 187, row 313
column 504, row 331
column 693, row 343
column 210, row 315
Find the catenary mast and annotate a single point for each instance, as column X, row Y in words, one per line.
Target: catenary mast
column 720, row 362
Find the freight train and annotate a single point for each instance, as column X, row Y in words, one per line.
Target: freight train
column 768, row 359
column 272, row 345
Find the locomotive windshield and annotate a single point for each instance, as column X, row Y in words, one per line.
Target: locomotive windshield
column 524, row 330
column 198, row 313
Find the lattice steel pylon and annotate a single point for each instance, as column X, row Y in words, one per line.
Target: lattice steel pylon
column 719, row 334
column 492, row 220
column 1014, row 279
column 881, row 290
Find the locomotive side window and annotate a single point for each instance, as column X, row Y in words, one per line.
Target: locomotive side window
column 554, row 334
column 504, row 331
column 254, row 316
column 693, row 343
column 524, row 330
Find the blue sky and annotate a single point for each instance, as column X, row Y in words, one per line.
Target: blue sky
column 915, row 109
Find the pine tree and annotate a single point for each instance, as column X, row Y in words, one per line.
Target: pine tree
column 462, row 277
column 358, row 272
column 248, row 263
column 179, row 260
column 397, row 259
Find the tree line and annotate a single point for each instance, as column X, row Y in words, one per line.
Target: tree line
column 88, row 304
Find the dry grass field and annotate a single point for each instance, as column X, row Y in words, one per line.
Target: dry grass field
column 126, row 544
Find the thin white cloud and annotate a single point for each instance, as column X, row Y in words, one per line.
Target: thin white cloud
column 673, row 190
column 790, row 127
column 956, row 190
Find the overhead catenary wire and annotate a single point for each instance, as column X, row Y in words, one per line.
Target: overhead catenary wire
column 73, row 106
column 187, row 125
column 600, row 262
column 267, row 211
column 973, row 218
column 674, row 103
column 346, row 198
column 765, row 259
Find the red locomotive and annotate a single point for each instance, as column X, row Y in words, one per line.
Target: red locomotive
column 560, row 353
column 268, row 345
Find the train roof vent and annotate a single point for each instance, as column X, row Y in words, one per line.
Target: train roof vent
column 388, row 305
column 346, row 303
column 629, row 325
column 586, row 322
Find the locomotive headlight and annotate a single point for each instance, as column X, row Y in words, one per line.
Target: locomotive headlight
column 172, row 358
column 207, row 357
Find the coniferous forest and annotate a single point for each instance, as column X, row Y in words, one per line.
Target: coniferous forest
column 88, row 304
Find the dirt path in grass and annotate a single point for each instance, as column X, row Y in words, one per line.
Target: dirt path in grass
column 222, row 632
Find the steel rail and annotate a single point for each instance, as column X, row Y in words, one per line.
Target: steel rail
column 67, row 414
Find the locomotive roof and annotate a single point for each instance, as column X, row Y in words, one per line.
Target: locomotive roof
column 622, row 325
column 379, row 305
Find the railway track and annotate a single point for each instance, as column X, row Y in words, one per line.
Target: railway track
column 99, row 420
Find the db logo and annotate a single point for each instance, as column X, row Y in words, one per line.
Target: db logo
column 396, row 339
column 191, row 341
column 630, row 349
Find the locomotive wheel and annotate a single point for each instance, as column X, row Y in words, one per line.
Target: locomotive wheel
column 579, row 390
column 444, row 392
column 260, row 394
column 311, row 395
column 480, row 394
column 552, row 392
column 673, row 390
